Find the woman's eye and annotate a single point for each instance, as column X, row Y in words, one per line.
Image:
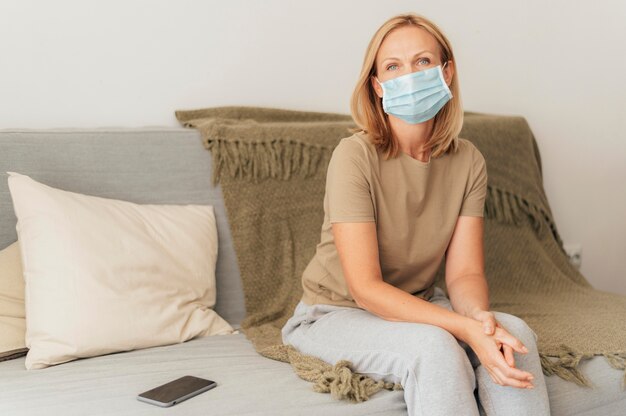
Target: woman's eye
column 426, row 60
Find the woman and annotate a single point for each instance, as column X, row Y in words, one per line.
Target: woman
column 401, row 193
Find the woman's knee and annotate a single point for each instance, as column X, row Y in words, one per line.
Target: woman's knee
column 439, row 346
column 517, row 327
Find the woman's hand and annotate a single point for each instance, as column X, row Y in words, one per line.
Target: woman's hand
column 487, row 349
column 489, row 324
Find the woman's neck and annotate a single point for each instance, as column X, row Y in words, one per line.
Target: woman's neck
column 412, row 137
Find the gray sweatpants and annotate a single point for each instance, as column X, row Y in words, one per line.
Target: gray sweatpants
column 438, row 372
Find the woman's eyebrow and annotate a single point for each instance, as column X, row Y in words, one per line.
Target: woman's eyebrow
column 419, row 53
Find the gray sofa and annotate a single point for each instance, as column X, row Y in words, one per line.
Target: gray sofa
column 169, row 165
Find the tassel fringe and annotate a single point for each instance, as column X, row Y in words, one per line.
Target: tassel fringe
column 339, row 380
column 508, row 208
column 281, row 159
column 278, row 159
column 618, row 361
column 344, row 384
column 566, row 365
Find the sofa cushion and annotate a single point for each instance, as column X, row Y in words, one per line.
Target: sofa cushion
column 247, row 384
column 12, row 320
column 605, row 397
column 105, row 275
column 147, row 165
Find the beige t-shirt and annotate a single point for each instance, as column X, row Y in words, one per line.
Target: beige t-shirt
column 415, row 206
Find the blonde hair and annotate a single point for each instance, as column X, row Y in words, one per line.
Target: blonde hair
column 366, row 106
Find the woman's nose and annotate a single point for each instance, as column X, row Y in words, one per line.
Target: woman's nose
column 408, row 70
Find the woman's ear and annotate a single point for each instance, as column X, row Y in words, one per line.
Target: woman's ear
column 377, row 87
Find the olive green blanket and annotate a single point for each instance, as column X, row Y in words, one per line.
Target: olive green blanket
column 271, row 164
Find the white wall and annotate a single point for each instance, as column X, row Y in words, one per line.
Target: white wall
column 560, row 64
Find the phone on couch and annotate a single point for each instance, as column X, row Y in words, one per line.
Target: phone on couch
column 176, row 391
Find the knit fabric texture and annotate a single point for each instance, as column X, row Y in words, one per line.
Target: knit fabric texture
column 271, row 164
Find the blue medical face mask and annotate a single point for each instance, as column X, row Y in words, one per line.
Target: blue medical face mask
column 416, row 97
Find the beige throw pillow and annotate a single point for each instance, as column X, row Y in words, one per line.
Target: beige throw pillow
column 104, row 275
column 12, row 322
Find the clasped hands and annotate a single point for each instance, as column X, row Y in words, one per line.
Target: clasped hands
column 494, row 346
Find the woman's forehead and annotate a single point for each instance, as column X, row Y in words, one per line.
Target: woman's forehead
column 406, row 41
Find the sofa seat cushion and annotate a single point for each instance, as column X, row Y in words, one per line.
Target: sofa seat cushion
column 605, row 398
column 248, row 384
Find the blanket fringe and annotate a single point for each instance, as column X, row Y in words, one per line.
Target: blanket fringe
column 339, row 380
column 258, row 160
column 509, row 208
column 344, row 384
column 281, row 159
column 618, row 361
column 566, row 365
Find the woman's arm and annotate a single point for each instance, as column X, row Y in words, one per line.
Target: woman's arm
column 465, row 267
column 465, row 276
column 357, row 245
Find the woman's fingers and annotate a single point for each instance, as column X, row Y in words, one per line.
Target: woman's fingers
column 493, row 376
column 502, row 335
column 511, row 381
column 508, row 355
column 501, row 374
column 516, row 373
column 508, row 371
column 495, row 352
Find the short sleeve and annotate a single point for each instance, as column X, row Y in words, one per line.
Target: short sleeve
column 347, row 184
column 474, row 199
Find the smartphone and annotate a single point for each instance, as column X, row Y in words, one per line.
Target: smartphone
column 176, row 391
